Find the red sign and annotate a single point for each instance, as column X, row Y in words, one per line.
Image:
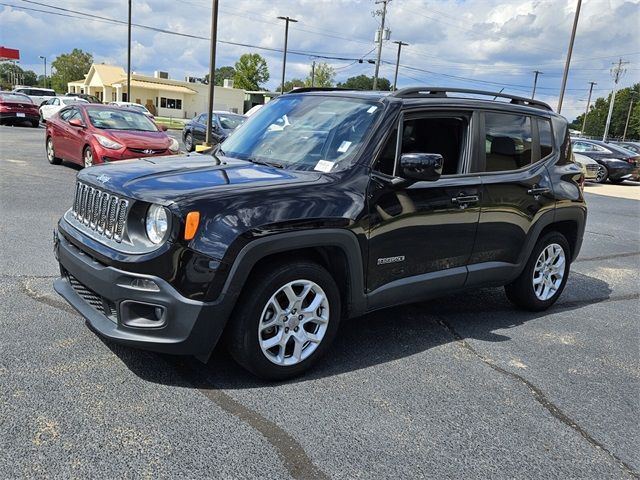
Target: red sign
column 9, row 54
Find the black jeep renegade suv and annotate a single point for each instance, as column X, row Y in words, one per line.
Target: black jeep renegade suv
column 324, row 205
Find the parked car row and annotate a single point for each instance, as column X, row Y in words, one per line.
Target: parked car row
column 617, row 164
column 222, row 124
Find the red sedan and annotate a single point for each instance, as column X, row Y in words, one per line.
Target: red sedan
column 89, row 134
column 18, row 108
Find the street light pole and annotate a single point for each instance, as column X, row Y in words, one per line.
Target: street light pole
column 212, row 69
column 286, row 38
column 395, row 77
column 129, row 56
column 535, row 83
column 565, row 75
column 380, row 36
column 45, row 70
column 617, row 71
column 586, row 112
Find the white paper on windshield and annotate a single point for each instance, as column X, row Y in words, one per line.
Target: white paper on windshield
column 324, row 166
column 344, row 146
column 372, row 109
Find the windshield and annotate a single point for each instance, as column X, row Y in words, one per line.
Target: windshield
column 305, row 132
column 120, row 119
column 230, row 122
column 15, row 97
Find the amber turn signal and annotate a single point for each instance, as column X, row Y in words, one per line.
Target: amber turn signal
column 191, row 225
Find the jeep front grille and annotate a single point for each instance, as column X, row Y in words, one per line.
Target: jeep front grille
column 100, row 211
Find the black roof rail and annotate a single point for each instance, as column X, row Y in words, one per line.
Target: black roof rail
column 441, row 92
column 317, row 89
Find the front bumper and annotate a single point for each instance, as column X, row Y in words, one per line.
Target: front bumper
column 115, row 309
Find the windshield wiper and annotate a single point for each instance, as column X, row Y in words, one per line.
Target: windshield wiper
column 264, row 162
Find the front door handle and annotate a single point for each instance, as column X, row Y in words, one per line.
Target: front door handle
column 465, row 200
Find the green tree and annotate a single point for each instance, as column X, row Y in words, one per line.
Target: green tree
column 222, row 74
column 291, row 84
column 362, row 82
column 323, row 75
column 251, row 72
column 69, row 67
column 12, row 75
column 597, row 115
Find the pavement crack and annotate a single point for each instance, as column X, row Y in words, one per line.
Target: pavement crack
column 43, row 298
column 606, row 257
column 293, row 455
column 540, row 397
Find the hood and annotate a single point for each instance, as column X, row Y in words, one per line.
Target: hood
column 172, row 179
column 138, row 139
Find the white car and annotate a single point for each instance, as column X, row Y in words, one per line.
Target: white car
column 36, row 94
column 589, row 166
column 53, row 105
column 134, row 106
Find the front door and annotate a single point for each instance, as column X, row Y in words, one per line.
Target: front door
column 421, row 236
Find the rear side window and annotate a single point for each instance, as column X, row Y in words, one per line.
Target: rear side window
column 508, row 141
column 546, row 137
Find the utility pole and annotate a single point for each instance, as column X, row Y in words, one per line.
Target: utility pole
column 616, row 72
column 535, row 83
column 626, row 125
column 586, row 112
column 380, row 36
column 286, row 38
column 313, row 74
column 129, row 56
column 565, row 75
column 212, row 70
column 45, row 70
column 395, row 77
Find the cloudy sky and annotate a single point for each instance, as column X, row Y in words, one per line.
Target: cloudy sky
column 487, row 44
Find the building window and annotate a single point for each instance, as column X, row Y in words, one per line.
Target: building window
column 113, row 96
column 172, row 103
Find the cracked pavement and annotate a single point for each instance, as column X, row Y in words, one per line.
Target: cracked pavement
column 461, row 386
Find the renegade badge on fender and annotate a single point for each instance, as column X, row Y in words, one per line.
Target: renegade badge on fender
column 324, row 205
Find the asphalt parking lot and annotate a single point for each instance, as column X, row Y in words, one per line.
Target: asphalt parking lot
column 460, row 387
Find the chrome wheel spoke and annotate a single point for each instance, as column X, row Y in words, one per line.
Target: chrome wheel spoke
column 292, row 329
column 548, row 272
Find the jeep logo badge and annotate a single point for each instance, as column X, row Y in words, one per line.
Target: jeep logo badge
column 103, row 178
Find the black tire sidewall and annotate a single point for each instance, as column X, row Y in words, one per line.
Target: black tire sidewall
column 243, row 332
column 521, row 291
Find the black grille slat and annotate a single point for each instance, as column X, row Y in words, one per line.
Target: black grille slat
column 102, row 305
column 100, row 211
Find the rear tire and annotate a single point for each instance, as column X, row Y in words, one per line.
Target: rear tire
column 51, row 154
column 544, row 276
column 617, row 181
column 35, row 124
column 278, row 331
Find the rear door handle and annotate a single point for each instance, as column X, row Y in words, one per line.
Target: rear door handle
column 535, row 191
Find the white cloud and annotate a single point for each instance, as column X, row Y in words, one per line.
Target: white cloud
column 452, row 42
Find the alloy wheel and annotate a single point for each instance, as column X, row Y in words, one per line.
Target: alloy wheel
column 601, row 176
column 50, row 152
column 549, row 271
column 293, row 322
column 188, row 142
column 88, row 157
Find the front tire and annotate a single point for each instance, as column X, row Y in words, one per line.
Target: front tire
column 285, row 320
column 188, row 142
column 87, row 156
column 602, row 175
column 51, row 154
column 544, row 276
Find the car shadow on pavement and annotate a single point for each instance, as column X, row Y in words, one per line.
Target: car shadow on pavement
column 373, row 339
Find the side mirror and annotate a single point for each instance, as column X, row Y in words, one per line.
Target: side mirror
column 421, row 166
column 76, row 122
column 163, row 128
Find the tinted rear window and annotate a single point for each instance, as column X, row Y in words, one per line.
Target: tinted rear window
column 15, row 97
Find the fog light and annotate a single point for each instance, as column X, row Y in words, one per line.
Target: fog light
column 144, row 284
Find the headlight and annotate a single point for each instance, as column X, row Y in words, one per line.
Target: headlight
column 174, row 146
column 157, row 223
column 106, row 142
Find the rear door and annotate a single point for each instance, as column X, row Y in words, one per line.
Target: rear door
column 516, row 190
